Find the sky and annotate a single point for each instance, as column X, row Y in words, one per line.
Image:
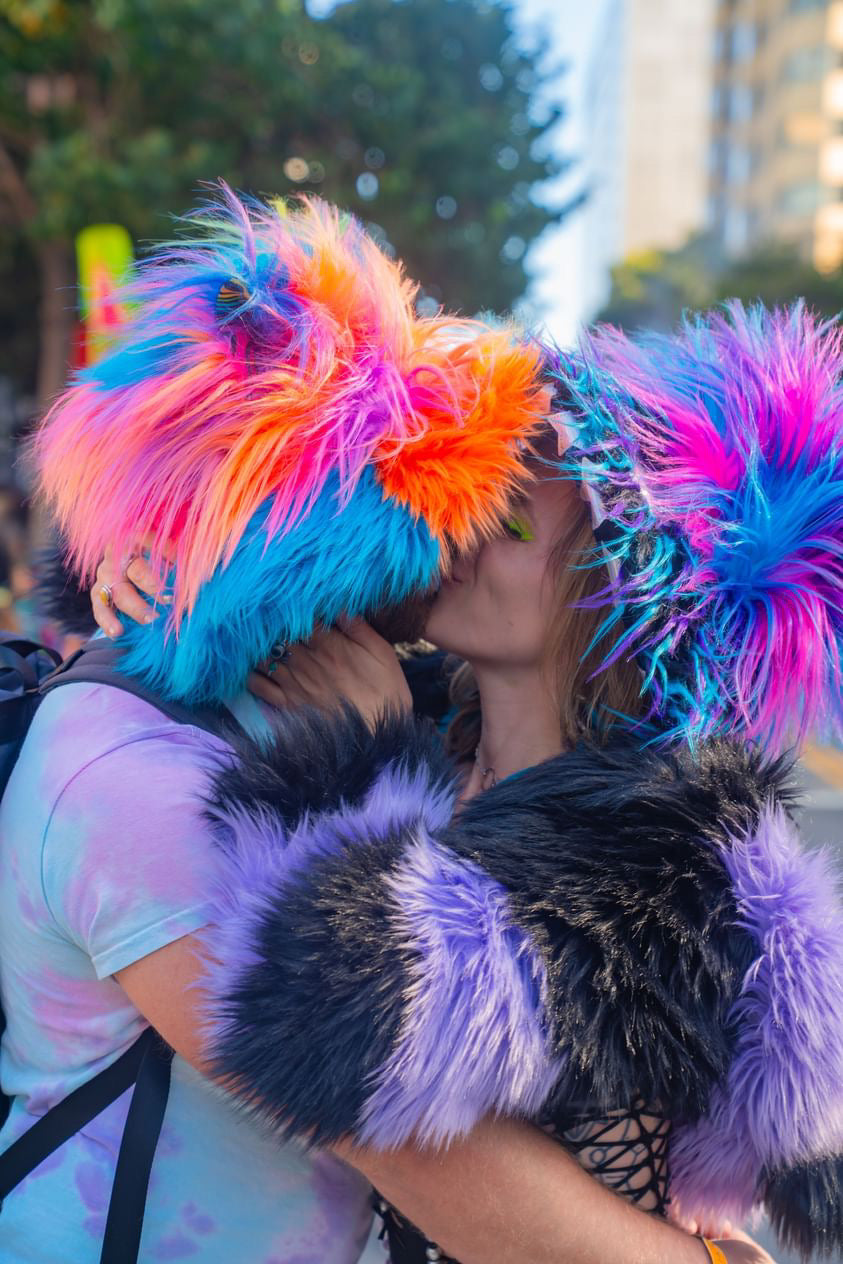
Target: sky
column 555, row 261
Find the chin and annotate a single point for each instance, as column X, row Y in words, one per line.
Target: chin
column 445, row 628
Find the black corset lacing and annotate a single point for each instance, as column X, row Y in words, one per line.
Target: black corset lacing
column 626, row 1150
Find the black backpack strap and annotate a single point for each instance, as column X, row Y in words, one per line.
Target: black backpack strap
column 147, row 1063
column 66, row 1118
column 137, row 1150
column 28, row 657
column 96, row 663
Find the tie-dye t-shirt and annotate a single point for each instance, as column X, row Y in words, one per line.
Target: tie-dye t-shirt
column 103, row 859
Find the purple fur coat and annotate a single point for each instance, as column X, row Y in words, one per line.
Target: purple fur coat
column 612, row 924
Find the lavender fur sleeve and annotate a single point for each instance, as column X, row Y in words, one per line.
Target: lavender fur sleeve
column 368, row 982
column 611, row 925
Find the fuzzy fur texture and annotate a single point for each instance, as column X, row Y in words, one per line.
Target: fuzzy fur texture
column 335, row 562
column 475, row 1034
column 274, row 371
column 805, row 1206
column 614, row 924
column 301, row 914
column 613, row 858
column 782, row 1103
column 717, row 456
column 59, row 595
column 602, row 913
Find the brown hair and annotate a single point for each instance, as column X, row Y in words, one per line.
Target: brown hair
column 585, row 706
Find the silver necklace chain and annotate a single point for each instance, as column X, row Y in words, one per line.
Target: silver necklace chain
column 485, row 772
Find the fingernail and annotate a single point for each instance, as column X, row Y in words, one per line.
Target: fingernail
column 151, row 617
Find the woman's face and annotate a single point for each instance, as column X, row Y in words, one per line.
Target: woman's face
column 496, row 607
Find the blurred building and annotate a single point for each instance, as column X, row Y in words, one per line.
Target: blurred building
column 647, row 127
column 603, row 156
column 666, row 119
column 777, row 126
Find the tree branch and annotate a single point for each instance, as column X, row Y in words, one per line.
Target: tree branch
column 13, row 186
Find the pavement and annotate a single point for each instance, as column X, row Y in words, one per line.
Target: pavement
column 821, row 818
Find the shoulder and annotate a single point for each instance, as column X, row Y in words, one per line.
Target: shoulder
column 101, row 751
column 86, row 730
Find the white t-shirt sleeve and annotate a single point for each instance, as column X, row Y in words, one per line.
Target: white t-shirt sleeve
column 127, row 858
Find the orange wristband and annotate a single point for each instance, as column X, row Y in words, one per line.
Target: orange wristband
column 717, row 1256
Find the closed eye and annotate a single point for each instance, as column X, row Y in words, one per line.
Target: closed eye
column 518, row 528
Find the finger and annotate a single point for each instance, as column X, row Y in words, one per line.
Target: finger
column 167, row 550
column 267, row 689
column 104, row 615
column 325, row 641
column 107, row 572
column 283, row 692
column 307, row 667
column 129, row 601
column 140, row 573
column 363, row 634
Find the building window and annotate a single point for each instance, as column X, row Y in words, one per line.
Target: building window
column 739, row 103
column 744, row 41
column 800, row 199
column 805, row 64
column 717, row 157
column 738, row 165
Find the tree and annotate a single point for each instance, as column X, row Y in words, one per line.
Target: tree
column 420, row 115
column 115, row 109
column 652, row 290
column 441, row 128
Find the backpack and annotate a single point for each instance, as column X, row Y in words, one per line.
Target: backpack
column 28, row 672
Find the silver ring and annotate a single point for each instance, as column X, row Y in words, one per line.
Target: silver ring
column 278, row 655
column 125, row 564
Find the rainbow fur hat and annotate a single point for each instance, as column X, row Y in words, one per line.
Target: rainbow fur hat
column 295, row 441
column 714, row 463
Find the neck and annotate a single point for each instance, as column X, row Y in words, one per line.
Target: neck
column 520, row 724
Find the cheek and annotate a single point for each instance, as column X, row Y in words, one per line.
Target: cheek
column 511, row 580
column 500, row 613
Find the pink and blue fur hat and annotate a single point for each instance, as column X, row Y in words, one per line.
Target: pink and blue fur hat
column 292, row 440
column 713, row 460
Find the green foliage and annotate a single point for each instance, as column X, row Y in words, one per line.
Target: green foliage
column 439, row 108
column 419, row 115
column 651, row 291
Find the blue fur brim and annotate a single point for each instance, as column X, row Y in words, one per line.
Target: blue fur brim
column 339, row 560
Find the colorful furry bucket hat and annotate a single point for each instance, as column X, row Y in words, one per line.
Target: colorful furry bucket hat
column 297, row 443
column 713, row 460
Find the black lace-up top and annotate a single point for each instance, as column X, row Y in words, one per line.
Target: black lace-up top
column 626, row 1150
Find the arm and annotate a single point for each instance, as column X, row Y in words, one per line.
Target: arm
column 505, row 1192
